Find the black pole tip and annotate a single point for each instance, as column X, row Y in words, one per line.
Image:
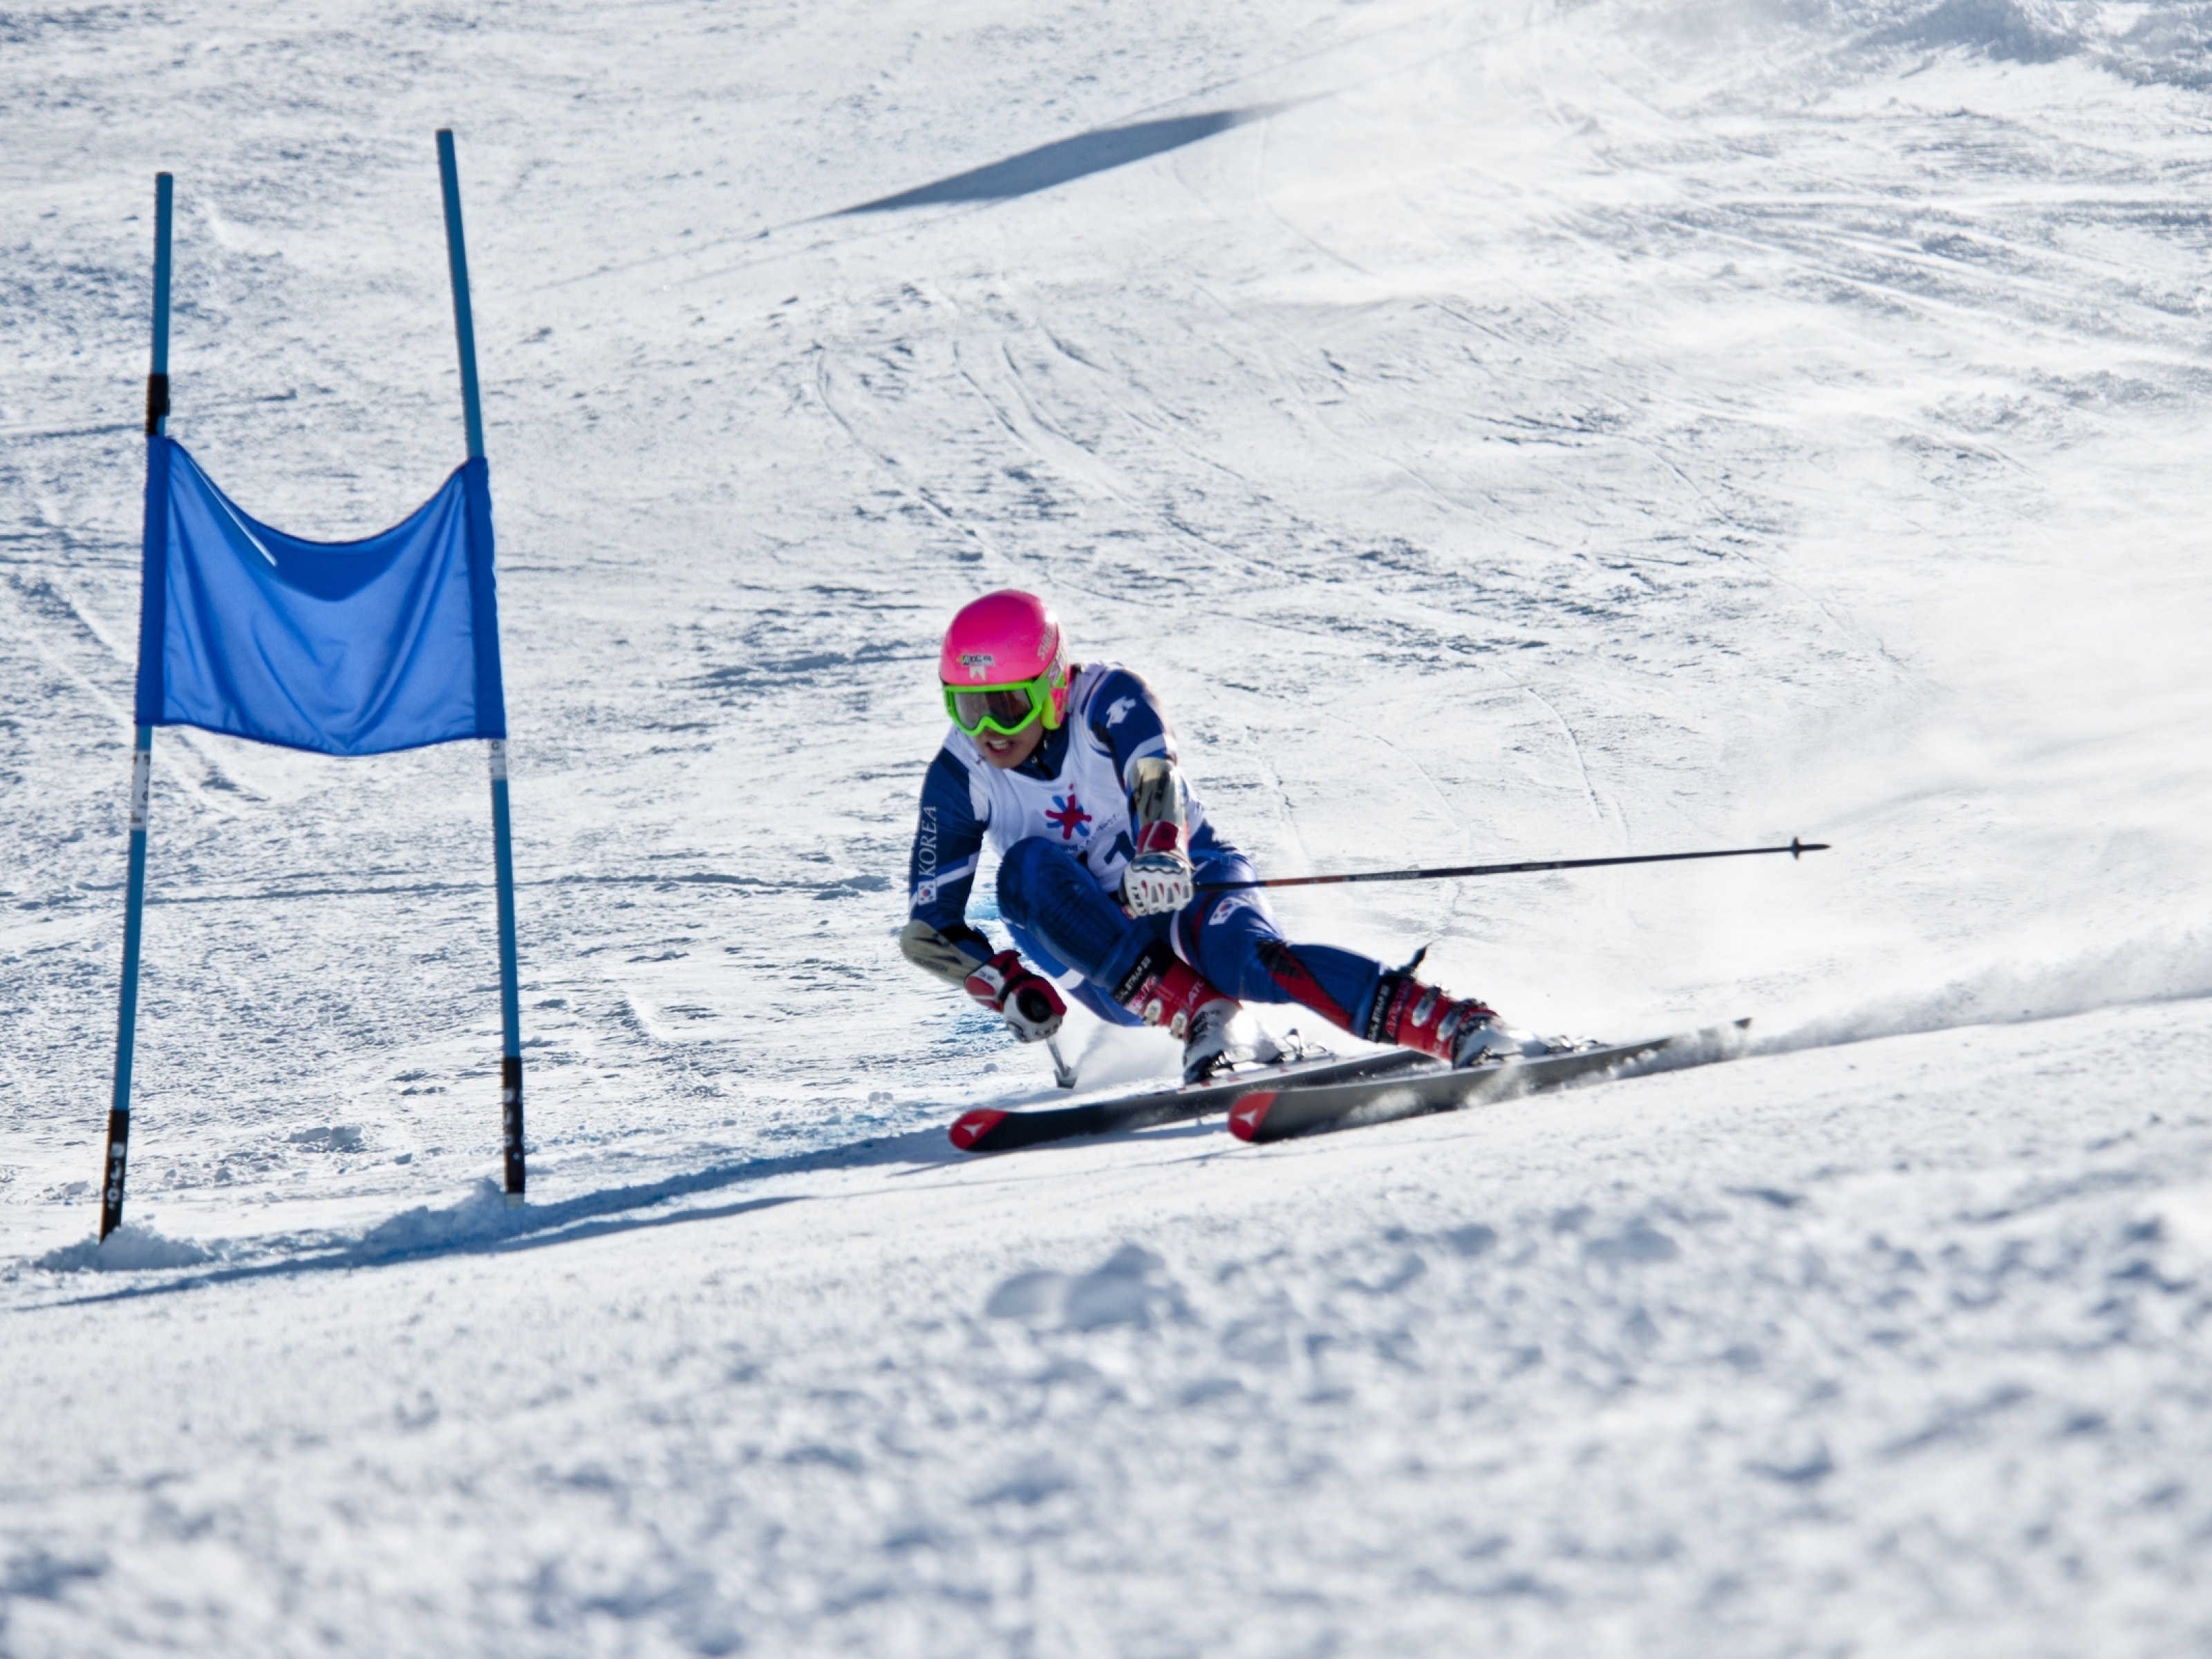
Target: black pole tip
column 1799, row 848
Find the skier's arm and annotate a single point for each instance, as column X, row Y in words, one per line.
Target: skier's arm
column 941, row 872
column 950, row 953
column 937, row 938
column 1128, row 720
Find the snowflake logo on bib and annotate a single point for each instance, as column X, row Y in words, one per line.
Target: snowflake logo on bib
column 1068, row 817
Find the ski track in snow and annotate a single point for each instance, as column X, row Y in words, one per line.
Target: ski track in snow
column 1524, row 430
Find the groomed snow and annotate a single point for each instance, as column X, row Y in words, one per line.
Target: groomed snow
column 1498, row 432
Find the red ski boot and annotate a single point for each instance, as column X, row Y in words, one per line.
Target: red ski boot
column 1466, row 1032
column 1162, row 989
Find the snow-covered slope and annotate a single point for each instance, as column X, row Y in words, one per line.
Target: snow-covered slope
column 1498, row 432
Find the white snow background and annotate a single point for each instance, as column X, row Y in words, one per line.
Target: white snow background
column 1499, row 432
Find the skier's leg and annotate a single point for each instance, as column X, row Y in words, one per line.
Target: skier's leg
column 1235, row 941
column 1070, row 980
column 1046, row 895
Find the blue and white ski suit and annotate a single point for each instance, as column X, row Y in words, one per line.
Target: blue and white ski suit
column 1061, row 825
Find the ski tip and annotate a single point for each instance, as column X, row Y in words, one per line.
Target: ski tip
column 972, row 1127
column 1250, row 1112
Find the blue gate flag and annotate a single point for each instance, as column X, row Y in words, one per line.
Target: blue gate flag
column 341, row 647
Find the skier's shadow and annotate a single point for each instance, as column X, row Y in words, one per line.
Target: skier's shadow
column 1070, row 158
column 482, row 1225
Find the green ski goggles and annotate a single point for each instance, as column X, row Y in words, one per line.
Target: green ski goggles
column 1005, row 709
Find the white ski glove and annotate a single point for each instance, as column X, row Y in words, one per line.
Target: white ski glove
column 1027, row 1001
column 1159, row 879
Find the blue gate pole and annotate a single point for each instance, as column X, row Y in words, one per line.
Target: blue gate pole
column 502, row 844
column 141, row 770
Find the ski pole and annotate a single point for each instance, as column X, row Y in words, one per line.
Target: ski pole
column 1795, row 849
column 1062, row 1073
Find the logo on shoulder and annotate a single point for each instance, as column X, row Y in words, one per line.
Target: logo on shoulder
column 1119, row 710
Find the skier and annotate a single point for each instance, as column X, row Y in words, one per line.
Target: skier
column 1070, row 770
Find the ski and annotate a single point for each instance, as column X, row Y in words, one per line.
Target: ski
column 985, row 1130
column 1264, row 1114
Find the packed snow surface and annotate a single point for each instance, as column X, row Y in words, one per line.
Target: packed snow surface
column 1498, row 432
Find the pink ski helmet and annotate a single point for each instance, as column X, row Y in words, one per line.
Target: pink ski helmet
column 1008, row 640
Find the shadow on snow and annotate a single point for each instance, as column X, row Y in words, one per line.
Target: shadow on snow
column 1069, row 158
column 483, row 1224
